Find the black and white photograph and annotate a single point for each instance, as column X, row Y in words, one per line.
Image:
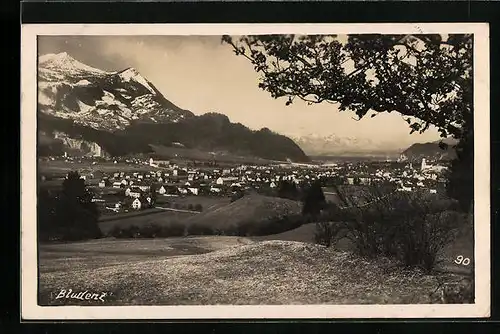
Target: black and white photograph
column 255, row 171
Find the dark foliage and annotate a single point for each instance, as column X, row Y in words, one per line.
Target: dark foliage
column 314, row 200
column 460, row 177
column 197, row 229
column 148, row 231
column 436, row 74
column 410, row 227
column 69, row 214
column 208, row 132
column 289, row 190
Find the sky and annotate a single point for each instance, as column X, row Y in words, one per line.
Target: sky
column 201, row 74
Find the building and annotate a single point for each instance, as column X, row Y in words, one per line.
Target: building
column 136, row 204
column 162, row 190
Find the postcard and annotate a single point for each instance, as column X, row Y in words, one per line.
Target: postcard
column 255, row 171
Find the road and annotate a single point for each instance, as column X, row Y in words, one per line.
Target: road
column 176, row 210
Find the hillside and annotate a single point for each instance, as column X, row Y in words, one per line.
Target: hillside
column 269, row 272
column 253, row 208
column 123, row 113
column 431, row 150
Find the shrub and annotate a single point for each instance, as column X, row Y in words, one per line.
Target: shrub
column 196, row 229
column 410, row 227
column 325, row 233
column 190, row 207
column 172, row 230
column 147, row 231
column 198, row 207
column 150, row 231
column 460, row 292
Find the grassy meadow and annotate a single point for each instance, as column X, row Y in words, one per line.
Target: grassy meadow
column 228, row 270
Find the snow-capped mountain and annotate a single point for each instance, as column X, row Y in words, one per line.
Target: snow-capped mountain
column 99, row 99
column 314, row 144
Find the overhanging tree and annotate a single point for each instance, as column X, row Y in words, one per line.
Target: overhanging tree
column 425, row 78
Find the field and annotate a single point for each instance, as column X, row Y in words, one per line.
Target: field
column 154, row 216
column 227, row 270
column 207, row 202
column 176, row 153
column 251, row 208
column 62, row 167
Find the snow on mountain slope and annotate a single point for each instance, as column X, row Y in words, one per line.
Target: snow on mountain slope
column 99, row 99
column 132, row 74
column 64, row 62
column 315, row 144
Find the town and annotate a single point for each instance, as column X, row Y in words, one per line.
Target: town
column 157, row 181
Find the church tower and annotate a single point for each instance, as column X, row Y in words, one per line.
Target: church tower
column 423, row 164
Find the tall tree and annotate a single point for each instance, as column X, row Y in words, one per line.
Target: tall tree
column 76, row 215
column 427, row 78
column 288, row 189
column 314, row 199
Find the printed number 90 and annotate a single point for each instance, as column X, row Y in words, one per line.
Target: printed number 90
column 463, row 261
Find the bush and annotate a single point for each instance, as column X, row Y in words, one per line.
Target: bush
column 461, row 292
column 150, row 231
column 172, row 230
column 196, row 229
column 190, row 207
column 198, row 207
column 325, row 233
column 147, row 231
column 410, row 227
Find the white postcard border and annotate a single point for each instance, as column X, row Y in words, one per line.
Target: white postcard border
column 29, row 281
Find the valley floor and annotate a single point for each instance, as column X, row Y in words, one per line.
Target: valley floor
column 227, row 270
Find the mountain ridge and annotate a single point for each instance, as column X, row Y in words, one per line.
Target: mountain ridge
column 124, row 113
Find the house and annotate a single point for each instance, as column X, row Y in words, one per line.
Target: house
column 117, row 184
column 193, row 191
column 272, row 185
column 102, row 184
column 143, row 187
column 127, row 191
column 219, row 181
column 136, row 193
column 433, row 191
column 136, row 204
column 215, row 190
column 162, row 190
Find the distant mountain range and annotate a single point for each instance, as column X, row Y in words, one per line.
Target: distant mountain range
column 123, row 113
column 332, row 145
